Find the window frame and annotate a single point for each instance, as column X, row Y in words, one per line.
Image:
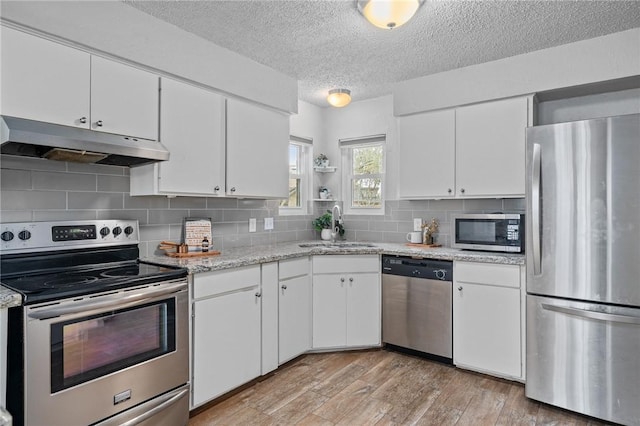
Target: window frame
column 347, row 146
column 304, row 174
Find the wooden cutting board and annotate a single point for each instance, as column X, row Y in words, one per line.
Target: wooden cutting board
column 194, row 254
column 423, row 245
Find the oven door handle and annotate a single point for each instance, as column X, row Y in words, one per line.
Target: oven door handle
column 115, row 301
column 148, row 409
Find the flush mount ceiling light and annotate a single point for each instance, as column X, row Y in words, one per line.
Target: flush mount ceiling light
column 339, row 97
column 388, row 14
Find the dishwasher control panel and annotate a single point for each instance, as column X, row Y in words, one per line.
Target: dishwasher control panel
column 418, row 268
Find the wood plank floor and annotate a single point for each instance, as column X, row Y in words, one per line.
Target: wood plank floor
column 381, row 387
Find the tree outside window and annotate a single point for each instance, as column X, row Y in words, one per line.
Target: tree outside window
column 364, row 161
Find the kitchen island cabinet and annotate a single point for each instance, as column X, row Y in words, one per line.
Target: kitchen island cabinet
column 294, row 308
column 226, row 331
column 488, row 318
column 192, row 125
column 346, row 301
column 47, row 81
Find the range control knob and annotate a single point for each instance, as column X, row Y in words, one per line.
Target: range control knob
column 104, row 231
column 440, row 274
column 24, row 235
column 117, row 231
column 128, row 230
column 7, row 236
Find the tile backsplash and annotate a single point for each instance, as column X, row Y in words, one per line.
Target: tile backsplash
column 39, row 190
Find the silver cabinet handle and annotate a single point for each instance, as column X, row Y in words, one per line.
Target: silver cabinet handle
column 351, row 280
column 449, row 190
column 284, row 287
column 460, row 288
column 535, row 208
column 341, row 280
column 258, row 294
column 99, row 123
column 83, row 120
column 462, row 190
column 217, row 188
column 585, row 313
column 233, row 189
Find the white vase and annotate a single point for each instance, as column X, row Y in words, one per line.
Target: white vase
column 326, row 234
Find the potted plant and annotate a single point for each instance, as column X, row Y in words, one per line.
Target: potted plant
column 323, row 224
column 321, row 160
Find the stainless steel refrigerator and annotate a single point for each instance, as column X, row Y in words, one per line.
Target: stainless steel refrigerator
column 583, row 267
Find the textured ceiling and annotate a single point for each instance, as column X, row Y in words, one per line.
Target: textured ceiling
column 327, row 44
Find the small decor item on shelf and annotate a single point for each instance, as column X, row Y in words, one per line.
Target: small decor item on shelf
column 323, row 224
column 321, row 161
column 428, row 229
column 324, row 193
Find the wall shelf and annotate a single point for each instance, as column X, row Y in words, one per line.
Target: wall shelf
column 324, row 169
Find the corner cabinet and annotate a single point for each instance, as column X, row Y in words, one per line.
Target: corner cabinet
column 192, row 128
column 47, row 81
column 346, row 301
column 475, row 151
column 488, row 318
column 257, row 151
column 226, row 331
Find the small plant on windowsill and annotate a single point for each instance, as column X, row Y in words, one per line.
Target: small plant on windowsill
column 324, row 223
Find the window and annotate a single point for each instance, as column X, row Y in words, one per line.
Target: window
column 299, row 171
column 363, row 160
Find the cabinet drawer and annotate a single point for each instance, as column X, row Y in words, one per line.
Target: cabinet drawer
column 212, row 283
column 345, row 264
column 487, row 273
column 293, row 268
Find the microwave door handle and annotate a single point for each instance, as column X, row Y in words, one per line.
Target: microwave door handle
column 535, row 208
column 114, row 301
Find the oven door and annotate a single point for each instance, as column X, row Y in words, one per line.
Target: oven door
column 492, row 232
column 91, row 358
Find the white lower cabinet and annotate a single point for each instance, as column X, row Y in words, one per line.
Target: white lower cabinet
column 226, row 331
column 487, row 318
column 294, row 309
column 346, row 301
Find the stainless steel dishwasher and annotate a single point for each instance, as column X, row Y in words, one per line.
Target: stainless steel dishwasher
column 417, row 305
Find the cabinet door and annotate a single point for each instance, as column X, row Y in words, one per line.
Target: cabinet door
column 363, row 310
column 124, row 100
column 43, row 80
column 427, row 155
column 192, row 129
column 257, row 151
column 294, row 317
column 486, row 328
column 490, row 148
column 329, row 311
column 226, row 343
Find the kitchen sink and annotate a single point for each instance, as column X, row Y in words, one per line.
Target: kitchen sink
column 336, row 245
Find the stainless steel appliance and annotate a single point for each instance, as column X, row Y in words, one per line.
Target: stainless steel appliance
column 583, row 267
column 417, row 305
column 101, row 338
column 488, row 232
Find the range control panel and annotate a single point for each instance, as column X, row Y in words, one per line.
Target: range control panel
column 43, row 236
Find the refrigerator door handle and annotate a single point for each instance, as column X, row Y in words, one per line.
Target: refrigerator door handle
column 585, row 313
column 535, row 208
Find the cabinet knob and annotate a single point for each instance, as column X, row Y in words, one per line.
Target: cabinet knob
column 460, row 288
column 258, row 294
column 217, row 188
column 99, row 123
column 233, row 189
column 462, row 190
column 83, row 120
column 341, row 280
column 350, row 280
column 284, row 287
column 449, row 190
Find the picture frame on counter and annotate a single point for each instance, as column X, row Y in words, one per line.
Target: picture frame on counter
column 195, row 230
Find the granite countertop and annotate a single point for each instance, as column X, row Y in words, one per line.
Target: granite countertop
column 244, row 256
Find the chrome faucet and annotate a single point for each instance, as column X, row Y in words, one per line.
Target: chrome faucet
column 336, row 219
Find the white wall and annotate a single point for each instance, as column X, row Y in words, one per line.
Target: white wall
column 587, row 107
column 116, row 29
column 598, row 59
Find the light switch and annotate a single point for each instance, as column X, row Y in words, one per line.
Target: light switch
column 268, row 223
column 252, row 225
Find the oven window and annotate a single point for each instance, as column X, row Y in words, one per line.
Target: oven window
column 90, row 347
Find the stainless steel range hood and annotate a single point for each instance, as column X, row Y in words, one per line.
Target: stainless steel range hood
column 19, row 136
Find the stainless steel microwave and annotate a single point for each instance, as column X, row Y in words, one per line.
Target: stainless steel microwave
column 488, row 232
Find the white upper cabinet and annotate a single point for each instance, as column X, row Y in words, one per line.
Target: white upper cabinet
column 43, row 80
column 124, row 100
column 47, row 81
column 490, row 148
column 257, row 151
column 192, row 129
column 476, row 151
column 427, row 155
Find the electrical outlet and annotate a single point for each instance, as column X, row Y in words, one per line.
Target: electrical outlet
column 417, row 224
column 268, row 223
column 252, row 224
